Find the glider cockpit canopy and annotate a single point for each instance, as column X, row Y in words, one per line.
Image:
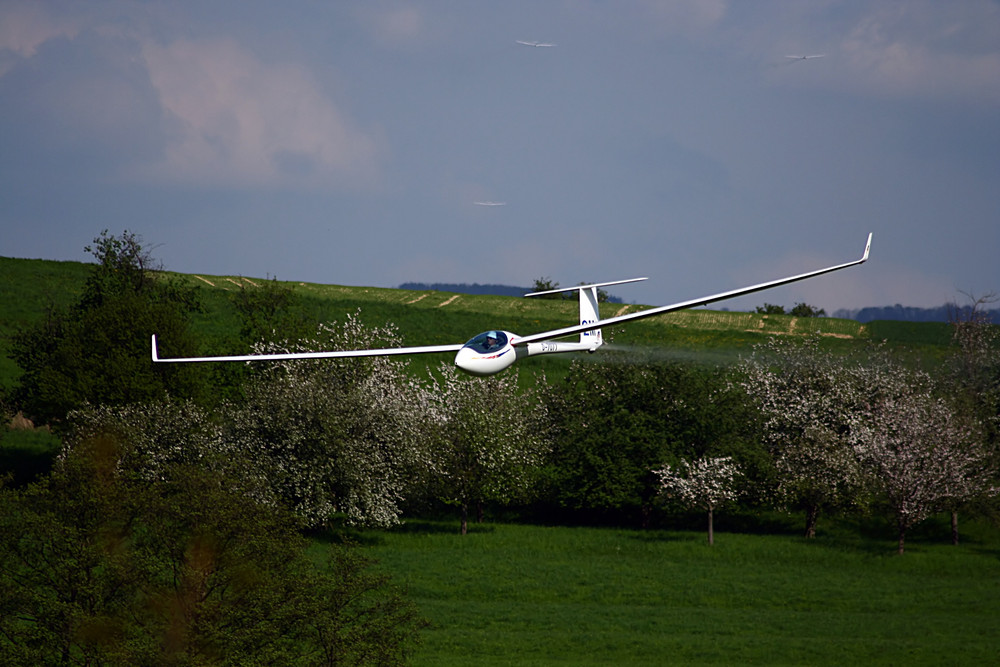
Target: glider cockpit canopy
column 488, row 341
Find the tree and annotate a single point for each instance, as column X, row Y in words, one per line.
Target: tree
column 805, row 310
column 101, row 567
column 333, row 437
column 615, row 421
column 707, row 483
column 973, row 377
column 922, row 456
column 799, row 310
column 326, row 438
column 807, row 398
column 545, row 284
column 98, row 350
column 124, row 265
column 490, row 439
column 270, row 311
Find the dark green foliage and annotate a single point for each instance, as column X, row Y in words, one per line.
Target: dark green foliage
column 800, row 310
column 805, row 310
column 770, row 309
column 616, row 422
column 97, row 567
column 545, row 284
column 97, row 351
column 26, row 454
column 270, row 311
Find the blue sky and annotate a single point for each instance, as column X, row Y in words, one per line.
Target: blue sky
column 347, row 142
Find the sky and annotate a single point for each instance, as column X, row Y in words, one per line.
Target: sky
column 348, row 142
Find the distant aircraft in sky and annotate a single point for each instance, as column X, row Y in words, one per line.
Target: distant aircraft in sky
column 535, row 44
column 490, row 203
column 493, row 351
column 818, row 55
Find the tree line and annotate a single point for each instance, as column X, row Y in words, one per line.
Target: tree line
column 360, row 440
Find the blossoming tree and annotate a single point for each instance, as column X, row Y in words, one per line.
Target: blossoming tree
column 490, row 438
column 707, row 483
column 807, row 398
column 922, row 455
column 323, row 438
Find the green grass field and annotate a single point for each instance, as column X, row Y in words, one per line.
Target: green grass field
column 531, row 595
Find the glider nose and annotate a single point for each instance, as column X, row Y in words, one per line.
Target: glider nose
column 474, row 362
column 464, row 359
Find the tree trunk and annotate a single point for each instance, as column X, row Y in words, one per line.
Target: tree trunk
column 645, row 515
column 954, row 527
column 812, row 516
column 465, row 518
column 711, row 528
column 902, row 535
column 479, row 511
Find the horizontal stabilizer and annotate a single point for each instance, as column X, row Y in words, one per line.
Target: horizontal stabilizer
column 582, row 287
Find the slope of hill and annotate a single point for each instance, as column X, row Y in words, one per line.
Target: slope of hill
column 29, row 288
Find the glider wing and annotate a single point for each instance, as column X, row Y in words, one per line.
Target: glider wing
column 337, row 354
column 568, row 331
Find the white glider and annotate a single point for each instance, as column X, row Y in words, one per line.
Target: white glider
column 818, row 55
column 490, row 203
column 492, row 351
column 535, row 44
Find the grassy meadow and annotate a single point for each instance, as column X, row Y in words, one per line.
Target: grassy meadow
column 535, row 595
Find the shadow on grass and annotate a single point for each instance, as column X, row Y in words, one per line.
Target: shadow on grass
column 376, row 536
column 440, row 527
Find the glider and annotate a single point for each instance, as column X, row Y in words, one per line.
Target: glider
column 535, row 44
column 493, row 351
column 818, row 55
column 490, row 203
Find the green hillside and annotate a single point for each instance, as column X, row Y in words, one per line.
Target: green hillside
column 29, row 288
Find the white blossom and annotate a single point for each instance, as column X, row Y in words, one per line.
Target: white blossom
column 707, row 483
column 490, row 436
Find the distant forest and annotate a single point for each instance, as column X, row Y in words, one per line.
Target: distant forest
column 943, row 313
column 898, row 312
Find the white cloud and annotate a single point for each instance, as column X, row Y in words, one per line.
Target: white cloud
column 933, row 50
column 237, row 121
column 24, row 26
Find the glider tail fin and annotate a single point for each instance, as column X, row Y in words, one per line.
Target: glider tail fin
column 589, row 310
